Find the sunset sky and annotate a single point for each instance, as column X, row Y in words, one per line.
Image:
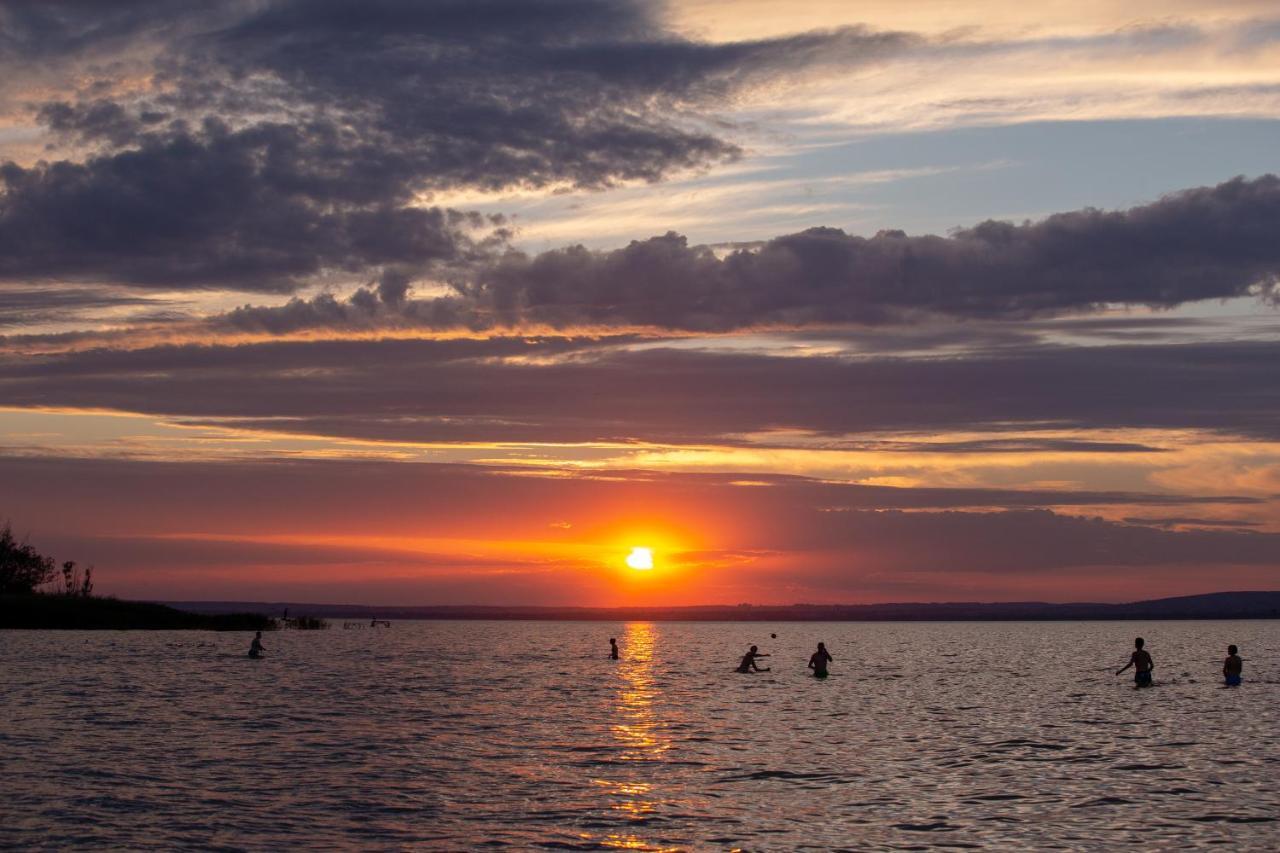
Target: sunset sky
column 462, row 301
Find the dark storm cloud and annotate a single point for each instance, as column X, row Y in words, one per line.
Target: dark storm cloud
column 1205, row 243
column 279, row 140
column 207, row 209
column 381, row 307
column 36, row 29
column 557, row 390
column 515, row 92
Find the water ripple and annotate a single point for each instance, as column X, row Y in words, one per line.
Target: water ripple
column 458, row 736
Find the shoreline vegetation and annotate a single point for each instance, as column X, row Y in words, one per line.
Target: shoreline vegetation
column 35, row 592
column 61, row 612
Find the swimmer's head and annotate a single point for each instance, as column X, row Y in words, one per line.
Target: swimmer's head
column 753, row 648
column 259, row 635
column 613, row 641
column 822, row 646
column 1231, row 650
column 1138, row 643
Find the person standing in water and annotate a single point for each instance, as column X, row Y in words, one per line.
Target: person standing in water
column 1142, row 665
column 1232, row 667
column 818, row 661
column 256, row 648
column 749, row 661
column 613, row 648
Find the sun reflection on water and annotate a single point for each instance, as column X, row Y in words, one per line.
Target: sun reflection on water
column 641, row 733
column 639, row 730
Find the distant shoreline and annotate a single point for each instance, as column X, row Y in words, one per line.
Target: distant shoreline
column 1222, row 605
column 56, row 612
column 76, row 613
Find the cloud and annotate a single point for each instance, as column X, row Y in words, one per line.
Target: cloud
column 245, row 209
column 422, row 499
column 21, row 307
column 1204, row 243
column 1189, row 521
column 260, row 147
column 264, row 144
column 1003, row 445
column 565, row 390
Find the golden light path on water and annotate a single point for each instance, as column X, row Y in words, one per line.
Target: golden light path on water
column 641, row 734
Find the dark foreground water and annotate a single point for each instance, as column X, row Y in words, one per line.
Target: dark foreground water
column 457, row 735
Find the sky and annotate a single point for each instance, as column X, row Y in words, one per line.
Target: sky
column 453, row 302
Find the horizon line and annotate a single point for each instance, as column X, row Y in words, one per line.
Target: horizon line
column 627, row 607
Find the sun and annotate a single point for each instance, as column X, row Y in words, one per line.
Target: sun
column 640, row 559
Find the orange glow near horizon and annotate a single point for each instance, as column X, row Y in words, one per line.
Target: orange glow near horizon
column 599, row 566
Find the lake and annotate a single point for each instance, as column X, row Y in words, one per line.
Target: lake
column 462, row 735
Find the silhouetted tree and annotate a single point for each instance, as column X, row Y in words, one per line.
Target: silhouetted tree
column 75, row 585
column 22, row 568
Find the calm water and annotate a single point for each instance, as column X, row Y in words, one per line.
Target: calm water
column 464, row 735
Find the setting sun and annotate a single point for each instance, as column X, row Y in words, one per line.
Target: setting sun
column 640, row 558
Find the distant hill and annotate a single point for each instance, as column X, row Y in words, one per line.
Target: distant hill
column 1218, row 605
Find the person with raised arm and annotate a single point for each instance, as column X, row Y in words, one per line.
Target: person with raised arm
column 749, row 661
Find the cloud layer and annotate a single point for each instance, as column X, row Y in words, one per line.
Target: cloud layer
column 513, row 389
column 262, row 147
column 1206, row 243
column 261, row 144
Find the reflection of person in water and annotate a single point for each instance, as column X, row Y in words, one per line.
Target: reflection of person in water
column 1142, row 665
column 818, row 661
column 749, row 661
column 1232, row 667
column 256, row 648
column 613, row 648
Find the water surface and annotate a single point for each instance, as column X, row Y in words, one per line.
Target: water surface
column 461, row 735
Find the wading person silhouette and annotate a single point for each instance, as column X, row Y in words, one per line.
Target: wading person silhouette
column 1142, row 665
column 818, row 661
column 613, row 648
column 256, row 648
column 749, row 661
column 1232, row 667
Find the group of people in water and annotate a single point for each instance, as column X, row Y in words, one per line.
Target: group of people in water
column 817, row 661
column 1140, row 661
